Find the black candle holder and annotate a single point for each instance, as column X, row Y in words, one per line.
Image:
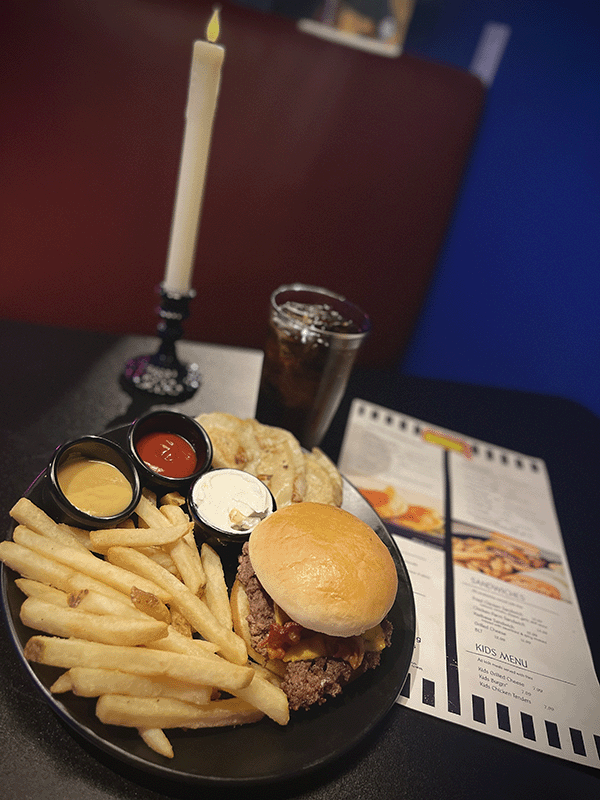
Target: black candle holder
column 162, row 374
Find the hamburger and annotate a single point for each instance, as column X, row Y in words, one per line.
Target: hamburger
column 313, row 587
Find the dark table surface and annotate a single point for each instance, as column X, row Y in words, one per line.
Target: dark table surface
column 57, row 384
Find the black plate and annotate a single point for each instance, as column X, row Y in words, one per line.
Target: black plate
column 253, row 754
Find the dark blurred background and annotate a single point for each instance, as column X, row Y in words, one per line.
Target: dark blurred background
column 92, row 98
column 514, row 302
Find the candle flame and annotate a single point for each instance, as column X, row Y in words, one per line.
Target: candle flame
column 213, row 27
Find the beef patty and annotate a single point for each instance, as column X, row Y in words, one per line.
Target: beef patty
column 304, row 682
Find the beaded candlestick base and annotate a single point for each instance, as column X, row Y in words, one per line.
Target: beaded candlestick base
column 162, row 374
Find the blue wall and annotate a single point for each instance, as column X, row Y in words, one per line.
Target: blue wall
column 515, row 301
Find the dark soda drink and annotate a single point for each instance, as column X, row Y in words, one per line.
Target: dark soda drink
column 312, row 341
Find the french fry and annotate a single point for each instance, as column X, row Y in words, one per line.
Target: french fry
column 101, row 540
column 150, row 604
column 82, row 536
column 172, row 499
column 205, row 670
column 265, row 673
column 186, row 561
column 230, row 645
column 87, row 682
column 62, row 684
column 180, row 624
column 161, row 557
column 84, row 561
column 190, row 540
column 163, row 712
column 216, row 593
column 150, row 495
column 119, row 607
column 42, row 591
column 98, row 599
column 157, row 740
column 267, row 697
column 79, row 582
column 146, row 510
column 173, row 514
column 127, row 523
column 57, row 621
column 184, row 554
column 45, row 570
column 28, row 514
column 32, row 565
column 194, row 610
column 177, row 642
column 189, row 567
column 83, row 599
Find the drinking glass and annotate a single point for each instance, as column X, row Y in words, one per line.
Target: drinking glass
column 312, row 341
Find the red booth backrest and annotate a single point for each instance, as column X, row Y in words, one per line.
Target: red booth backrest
column 328, row 165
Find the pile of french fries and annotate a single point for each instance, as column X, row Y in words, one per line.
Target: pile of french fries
column 140, row 619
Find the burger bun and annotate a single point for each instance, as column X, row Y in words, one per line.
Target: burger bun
column 325, row 568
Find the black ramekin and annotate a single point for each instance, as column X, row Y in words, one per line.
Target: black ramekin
column 100, row 449
column 170, row 422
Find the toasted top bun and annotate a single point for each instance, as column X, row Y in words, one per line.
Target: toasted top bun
column 327, row 569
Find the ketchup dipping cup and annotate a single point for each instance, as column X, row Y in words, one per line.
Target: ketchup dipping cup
column 169, row 449
column 227, row 504
column 93, row 483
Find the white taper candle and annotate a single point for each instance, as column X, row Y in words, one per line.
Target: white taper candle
column 205, row 80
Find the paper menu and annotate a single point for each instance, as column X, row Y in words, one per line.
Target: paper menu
column 500, row 642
